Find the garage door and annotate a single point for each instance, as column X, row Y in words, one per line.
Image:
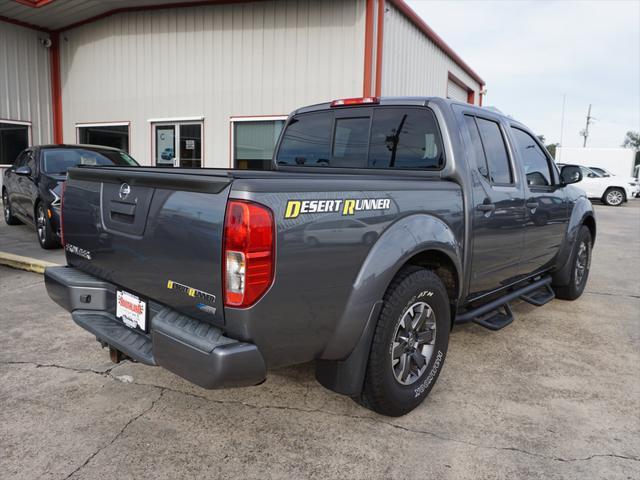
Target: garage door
column 456, row 92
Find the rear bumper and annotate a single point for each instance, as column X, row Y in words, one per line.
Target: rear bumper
column 195, row 350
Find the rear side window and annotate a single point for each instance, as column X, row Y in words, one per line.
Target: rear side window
column 405, row 138
column 307, row 140
column 495, row 151
column 476, row 146
column 534, row 161
column 383, row 137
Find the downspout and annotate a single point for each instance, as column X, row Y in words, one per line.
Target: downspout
column 56, row 90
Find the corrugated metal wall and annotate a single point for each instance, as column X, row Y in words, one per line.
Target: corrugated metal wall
column 25, row 88
column 263, row 58
column 413, row 64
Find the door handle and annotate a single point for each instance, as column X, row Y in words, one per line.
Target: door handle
column 486, row 207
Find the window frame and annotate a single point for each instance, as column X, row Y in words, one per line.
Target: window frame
column 177, row 121
column 127, row 124
column 515, row 175
column 251, row 118
column 24, row 123
column 551, row 164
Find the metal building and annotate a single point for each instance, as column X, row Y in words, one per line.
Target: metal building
column 205, row 83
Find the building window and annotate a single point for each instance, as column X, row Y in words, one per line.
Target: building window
column 14, row 137
column 254, row 140
column 114, row 135
column 178, row 143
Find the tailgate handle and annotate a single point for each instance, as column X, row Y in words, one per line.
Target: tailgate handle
column 123, row 208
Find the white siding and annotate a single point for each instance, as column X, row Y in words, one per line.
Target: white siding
column 412, row 64
column 217, row 61
column 25, row 88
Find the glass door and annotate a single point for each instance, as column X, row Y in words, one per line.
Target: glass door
column 178, row 145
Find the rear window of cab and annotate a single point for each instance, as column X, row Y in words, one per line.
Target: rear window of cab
column 363, row 137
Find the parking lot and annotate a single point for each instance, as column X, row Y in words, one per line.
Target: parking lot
column 554, row 395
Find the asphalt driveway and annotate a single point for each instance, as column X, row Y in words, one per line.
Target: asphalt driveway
column 554, row 395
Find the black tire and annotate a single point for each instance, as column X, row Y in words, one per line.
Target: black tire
column 45, row 234
column 383, row 391
column 614, row 197
column 577, row 280
column 9, row 217
column 312, row 241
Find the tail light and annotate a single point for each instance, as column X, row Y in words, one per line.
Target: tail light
column 345, row 102
column 248, row 248
column 63, row 187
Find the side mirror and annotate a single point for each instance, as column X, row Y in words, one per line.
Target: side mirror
column 570, row 174
column 24, row 170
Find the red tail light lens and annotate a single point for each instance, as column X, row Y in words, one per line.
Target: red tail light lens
column 345, row 102
column 248, row 249
column 63, row 187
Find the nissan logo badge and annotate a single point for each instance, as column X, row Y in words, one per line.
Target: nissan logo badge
column 125, row 190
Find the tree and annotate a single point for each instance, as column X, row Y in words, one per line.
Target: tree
column 632, row 140
column 551, row 148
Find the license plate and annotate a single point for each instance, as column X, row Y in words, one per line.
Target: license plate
column 131, row 310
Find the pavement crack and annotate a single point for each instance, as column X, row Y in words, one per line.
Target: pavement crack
column 117, row 435
column 609, row 294
column 62, row 367
column 162, row 389
column 511, row 449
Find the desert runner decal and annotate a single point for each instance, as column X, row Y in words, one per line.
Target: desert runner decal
column 350, row 206
column 192, row 292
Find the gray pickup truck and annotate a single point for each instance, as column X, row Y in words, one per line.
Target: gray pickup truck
column 384, row 222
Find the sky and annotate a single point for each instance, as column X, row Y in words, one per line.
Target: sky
column 532, row 53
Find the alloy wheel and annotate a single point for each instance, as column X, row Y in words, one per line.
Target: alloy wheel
column 582, row 263
column 7, row 208
column 41, row 224
column 614, row 197
column 413, row 343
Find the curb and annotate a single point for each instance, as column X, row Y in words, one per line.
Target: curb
column 24, row 263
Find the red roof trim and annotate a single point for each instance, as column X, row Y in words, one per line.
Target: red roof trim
column 34, row 3
column 162, row 6
column 24, row 24
column 408, row 12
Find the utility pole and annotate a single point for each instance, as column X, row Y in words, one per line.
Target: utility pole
column 585, row 132
column 564, row 102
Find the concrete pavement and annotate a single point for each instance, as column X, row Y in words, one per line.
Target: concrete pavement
column 554, row 395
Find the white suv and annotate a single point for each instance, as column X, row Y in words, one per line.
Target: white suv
column 611, row 190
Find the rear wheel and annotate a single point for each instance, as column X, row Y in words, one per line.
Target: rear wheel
column 409, row 344
column 9, row 218
column 46, row 236
column 581, row 264
column 614, row 197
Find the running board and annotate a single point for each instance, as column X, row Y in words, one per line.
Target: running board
column 540, row 296
column 489, row 314
column 496, row 319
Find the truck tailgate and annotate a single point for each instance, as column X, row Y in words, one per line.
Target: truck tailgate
column 156, row 233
